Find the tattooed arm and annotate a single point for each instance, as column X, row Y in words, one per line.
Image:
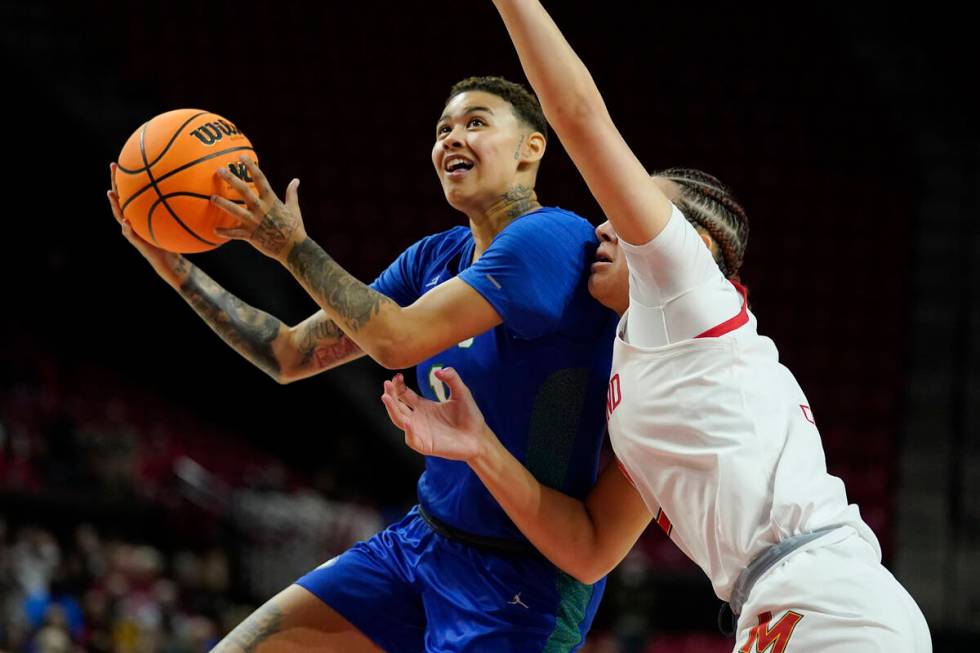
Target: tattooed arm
column 394, row 336
column 284, row 353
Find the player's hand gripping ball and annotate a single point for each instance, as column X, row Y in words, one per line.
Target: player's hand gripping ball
column 165, row 178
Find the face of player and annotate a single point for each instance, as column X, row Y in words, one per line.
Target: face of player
column 609, row 277
column 479, row 153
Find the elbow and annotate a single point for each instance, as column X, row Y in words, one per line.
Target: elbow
column 278, row 375
column 288, row 373
column 394, row 355
column 592, row 568
column 589, row 575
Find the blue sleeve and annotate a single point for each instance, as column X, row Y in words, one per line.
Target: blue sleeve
column 531, row 270
column 399, row 281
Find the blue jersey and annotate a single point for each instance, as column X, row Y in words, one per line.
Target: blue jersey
column 539, row 378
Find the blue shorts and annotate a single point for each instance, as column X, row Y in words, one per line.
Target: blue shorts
column 409, row 589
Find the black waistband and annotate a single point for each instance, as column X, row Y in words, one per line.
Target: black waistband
column 482, row 542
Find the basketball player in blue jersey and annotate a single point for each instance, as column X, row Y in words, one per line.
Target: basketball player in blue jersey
column 505, row 302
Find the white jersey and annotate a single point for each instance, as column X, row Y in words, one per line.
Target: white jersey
column 714, row 432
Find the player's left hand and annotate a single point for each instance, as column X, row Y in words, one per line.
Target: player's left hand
column 452, row 429
column 270, row 225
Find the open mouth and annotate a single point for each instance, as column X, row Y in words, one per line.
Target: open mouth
column 456, row 165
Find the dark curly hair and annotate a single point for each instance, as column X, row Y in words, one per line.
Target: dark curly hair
column 526, row 105
column 709, row 204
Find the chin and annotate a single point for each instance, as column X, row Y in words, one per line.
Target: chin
column 597, row 289
column 457, row 198
column 606, row 293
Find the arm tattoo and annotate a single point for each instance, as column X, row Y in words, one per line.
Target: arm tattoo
column 247, row 330
column 327, row 355
column 181, row 266
column 258, row 627
column 324, row 341
column 332, row 286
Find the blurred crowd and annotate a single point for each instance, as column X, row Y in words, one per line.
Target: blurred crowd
column 92, row 593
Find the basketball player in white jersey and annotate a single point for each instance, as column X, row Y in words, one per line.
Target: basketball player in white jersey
column 715, row 439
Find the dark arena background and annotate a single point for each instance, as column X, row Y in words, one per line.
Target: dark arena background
column 155, row 487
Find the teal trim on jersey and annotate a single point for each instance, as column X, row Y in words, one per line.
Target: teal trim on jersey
column 572, row 607
column 553, row 429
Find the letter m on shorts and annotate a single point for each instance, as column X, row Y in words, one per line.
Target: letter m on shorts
column 771, row 639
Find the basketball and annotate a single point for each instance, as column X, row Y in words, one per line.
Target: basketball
column 165, row 178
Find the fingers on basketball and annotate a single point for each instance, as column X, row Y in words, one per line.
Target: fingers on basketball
column 259, row 178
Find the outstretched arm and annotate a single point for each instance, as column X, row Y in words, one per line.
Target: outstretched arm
column 573, row 106
column 586, row 539
column 284, row 353
column 394, row 336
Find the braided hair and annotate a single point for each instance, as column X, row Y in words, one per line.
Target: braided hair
column 709, row 204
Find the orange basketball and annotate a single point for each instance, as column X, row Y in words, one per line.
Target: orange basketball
column 165, row 178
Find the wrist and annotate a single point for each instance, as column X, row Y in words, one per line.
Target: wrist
column 296, row 239
column 178, row 270
column 488, row 452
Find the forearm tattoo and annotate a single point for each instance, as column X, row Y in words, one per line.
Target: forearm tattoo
column 181, row 265
column 246, row 329
column 333, row 287
column 324, row 342
column 248, row 635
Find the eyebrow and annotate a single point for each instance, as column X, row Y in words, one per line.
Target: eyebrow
column 466, row 110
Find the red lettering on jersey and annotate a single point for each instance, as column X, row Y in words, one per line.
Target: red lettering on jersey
column 776, row 637
column 614, row 396
column 663, row 521
column 807, row 414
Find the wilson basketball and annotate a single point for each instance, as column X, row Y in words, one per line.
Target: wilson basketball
column 165, row 178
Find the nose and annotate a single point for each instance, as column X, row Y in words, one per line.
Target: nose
column 451, row 140
column 605, row 233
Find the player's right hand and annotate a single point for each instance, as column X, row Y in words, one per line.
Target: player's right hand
column 452, row 429
column 172, row 267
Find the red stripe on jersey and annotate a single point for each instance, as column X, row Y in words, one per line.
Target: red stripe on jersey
column 808, row 414
column 625, row 473
column 664, row 522
column 731, row 324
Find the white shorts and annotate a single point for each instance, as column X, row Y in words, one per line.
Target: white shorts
column 833, row 598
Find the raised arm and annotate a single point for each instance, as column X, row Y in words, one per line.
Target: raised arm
column 394, row 336
column 284, row 353
column 573, row 106
column 586, row 539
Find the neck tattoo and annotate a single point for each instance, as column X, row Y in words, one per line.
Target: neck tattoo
column 519, row 200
